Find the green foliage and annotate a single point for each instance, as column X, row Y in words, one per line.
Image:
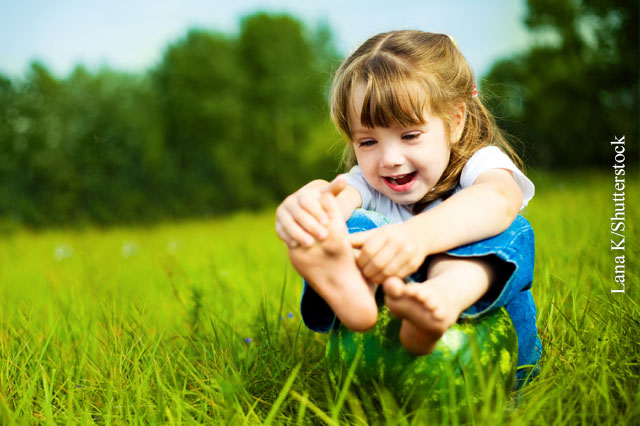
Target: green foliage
column 77, row 149
column 472, row 366
column 568, row 95
column 199, row 85
column 284, row 102
column 230, row 122
column 221, row 123
column 148, row 325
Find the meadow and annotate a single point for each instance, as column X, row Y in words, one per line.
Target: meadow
column 198, row 322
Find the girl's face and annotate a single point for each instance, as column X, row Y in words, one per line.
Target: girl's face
column 402, row 163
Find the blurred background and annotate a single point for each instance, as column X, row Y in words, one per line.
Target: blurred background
column 138, row 112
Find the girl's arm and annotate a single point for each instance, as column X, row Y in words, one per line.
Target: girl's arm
column 301, row 219
column 349, row 200
column 482, row 210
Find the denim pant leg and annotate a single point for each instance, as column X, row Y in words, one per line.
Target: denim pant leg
column 315, row 312
column 514, row 255
column 514, row 252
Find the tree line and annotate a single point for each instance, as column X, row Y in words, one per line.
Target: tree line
column 221, row 123
column 227, row 122
column 576, row 88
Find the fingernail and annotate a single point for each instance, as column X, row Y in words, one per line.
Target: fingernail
column 324, row 234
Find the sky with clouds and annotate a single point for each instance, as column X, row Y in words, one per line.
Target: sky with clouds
column 131, row 35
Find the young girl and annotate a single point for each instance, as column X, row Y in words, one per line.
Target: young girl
column 432, row 174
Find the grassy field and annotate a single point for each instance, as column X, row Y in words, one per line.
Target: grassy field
column 198, row 323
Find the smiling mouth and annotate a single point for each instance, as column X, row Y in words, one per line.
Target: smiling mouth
column 400, row 183
column 401, row 179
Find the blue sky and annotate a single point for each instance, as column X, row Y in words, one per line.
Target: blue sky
column 130, row 35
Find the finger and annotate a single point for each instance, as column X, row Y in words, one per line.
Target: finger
column 369, row 252
column 311, row 203
column 284, row 237
column 336, row 186
column 405, row 261
column 384, row 263
column 372, row 273
column 281, row 234
column 309, row 222
column 398, row 266
column 330, row 205
column 359, row 238
column 293, row 230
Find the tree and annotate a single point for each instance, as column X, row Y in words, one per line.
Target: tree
column 577, row 88
column 221, row 123
column 285, row 102
column 244, row 118
column 199, row 84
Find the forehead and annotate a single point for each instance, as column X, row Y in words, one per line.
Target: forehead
column 386, row 105
column 358, row 93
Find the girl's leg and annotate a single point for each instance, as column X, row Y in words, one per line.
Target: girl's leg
column 428, row 309
column 512, row 254
column 330, row 269
column 316, row 313
column 522, row 310
column 510, row 258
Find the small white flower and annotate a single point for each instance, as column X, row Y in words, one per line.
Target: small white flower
column 62, row 251
column 129, row 249
column 172, row 247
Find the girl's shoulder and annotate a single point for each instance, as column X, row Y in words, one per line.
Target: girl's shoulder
column 492, row 157
column 487, row 158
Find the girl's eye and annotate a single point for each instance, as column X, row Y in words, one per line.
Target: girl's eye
column 410, row 136
column 368, row 142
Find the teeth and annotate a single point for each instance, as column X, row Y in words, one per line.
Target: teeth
column 396, row 178
column 400, row 179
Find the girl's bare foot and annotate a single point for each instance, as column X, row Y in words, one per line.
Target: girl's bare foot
column 426, row 312
column 428, row 309
column 329, row 266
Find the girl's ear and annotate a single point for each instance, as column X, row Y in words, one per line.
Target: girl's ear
column 459, row 117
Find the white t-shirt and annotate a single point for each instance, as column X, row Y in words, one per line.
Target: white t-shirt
column 487, row 158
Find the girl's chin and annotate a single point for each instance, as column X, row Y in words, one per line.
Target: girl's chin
column 407, row 198
column 405, row 201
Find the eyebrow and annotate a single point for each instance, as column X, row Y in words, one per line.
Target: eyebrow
column 360, row 130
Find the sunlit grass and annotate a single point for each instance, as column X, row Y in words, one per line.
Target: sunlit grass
column 198, row 323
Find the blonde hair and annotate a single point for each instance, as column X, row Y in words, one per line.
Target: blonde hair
column 406, row 73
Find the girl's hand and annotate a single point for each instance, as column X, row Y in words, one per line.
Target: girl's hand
column 388, row 251
column 300, row 218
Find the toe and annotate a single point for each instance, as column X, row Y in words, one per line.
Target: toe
column 440, row 313
column 423, row 297
column 393, row 287
column 412, row 290
column 428, row 301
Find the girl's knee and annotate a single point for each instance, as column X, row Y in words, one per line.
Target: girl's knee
column 521, row 227
column 364, row 220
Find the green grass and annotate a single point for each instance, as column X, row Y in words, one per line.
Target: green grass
column 151, row 325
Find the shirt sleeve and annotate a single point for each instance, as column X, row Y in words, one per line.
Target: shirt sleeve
column 355, row 179
column 491, row 157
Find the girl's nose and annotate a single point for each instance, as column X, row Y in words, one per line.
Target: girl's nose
column 391, row 157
